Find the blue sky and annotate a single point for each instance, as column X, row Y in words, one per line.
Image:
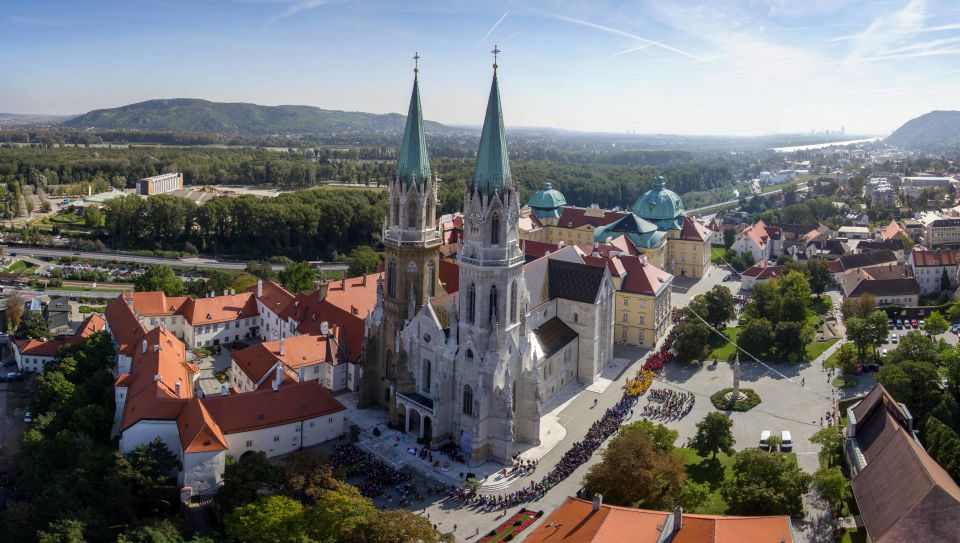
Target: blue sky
column 664, row 66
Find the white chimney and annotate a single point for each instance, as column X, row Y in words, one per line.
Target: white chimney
column 224, row 390
column 281, row 346
column 560, row 245
column 275, row 386
column 177, row 387
column 226, row 292
column 597, row 501
column 156, row 378
column 233, row 291
column 259, row 288
column 324, row 328
column 156, row 347
column 144, row 346
column 279, row 377
column 211, row 294
column 677, row 519
column 643, row 260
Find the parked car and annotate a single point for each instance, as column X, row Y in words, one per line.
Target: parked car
column 13, row 376
column 28, row 417
column 895, row 340
column 883, row 353
column 786, row 441
column 872, row 367
column 891, row 324
column 765, row 440
column 914, row 323
column 921, row 323
column 899, row 324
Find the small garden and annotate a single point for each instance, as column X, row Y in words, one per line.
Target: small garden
column 747, row 401
column 512, row 527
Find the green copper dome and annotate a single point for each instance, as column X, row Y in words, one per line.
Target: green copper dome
column 660, row 206
column 414, row 164
column 492, row 171
column 547, row 202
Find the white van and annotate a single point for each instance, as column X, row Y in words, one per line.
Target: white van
column 765, row 440
column 786, row 441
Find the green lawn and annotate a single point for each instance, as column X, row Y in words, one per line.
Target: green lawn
column 713, row 475
column 723, row 350
column 18, row 266
column 817, row 348
column 821, row 306
column 772, row 188
column 846, row 381
column 854, row 536
column 716, row 253
column 85, row 289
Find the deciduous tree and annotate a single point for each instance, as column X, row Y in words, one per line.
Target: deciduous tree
column 714, row 435
column 160, row 278
column 298, row 277
column 33, row 325
column 935, row 324
column 765, row 484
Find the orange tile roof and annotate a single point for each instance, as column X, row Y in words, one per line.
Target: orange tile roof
column 356, row 295
column 266, row 407
column 91, row 325
column 758, row 233
column 124, row 326
column 275, row 297
column 154, row 374
column 157, row 304
column 693, row 231
column 893, row 230
column 199, row 311
column 576, row 522
column 35, row 347
column 198, row 431
column 298, row 351
column 939, row 257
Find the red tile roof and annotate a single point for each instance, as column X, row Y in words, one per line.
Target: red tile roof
column 275, row 297
column 694, row 231
column 91, row 325
column 449, row 275
column 762, row 271
column 266, row 407
column 35, row 347
column 939, row 257
column 200, row 311
column 198, row 431
column 575, row 217
column 156, row 304
column 124, row 326
column 893, row 230
column 576, row 522
column 154, row 374
column 298, row 351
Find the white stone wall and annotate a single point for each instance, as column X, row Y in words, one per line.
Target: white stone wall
column 202, row 471
column 286, row 438
column 145, row 431
column 205, row 335
column 30, row 363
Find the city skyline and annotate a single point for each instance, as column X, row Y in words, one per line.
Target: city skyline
column 753, row 67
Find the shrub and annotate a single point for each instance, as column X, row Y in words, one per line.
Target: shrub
column 720, row 401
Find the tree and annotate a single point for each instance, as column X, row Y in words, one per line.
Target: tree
column 261, row 270
column 271, row 519
column 693, row 494
column 935, row 324
column 713, row 435
column 243, row 479
column 953, row 312
column 861, row 306
column 943, row 444
column 912, row 382
column 756, row 336
column 719, row 306
column 945, row 284
column 748, row 259
column 947, row 411
column 151, row 468
column 33, row 325
column 847, row 359
column 395, row 526
column 765, row 484
column 832, row 486
column 914, row 346
column 298, row 277
column 54, row 391
column 63, row 531
column 362, row 259
column 663, row 438
column 819, row 276
column 692, row 342
column 306, row 476
column 830, row 440
column 338, row 511
column 790, row 339
column 729, row 236
column 159, row 278
column 15, row 305
column 795, row 297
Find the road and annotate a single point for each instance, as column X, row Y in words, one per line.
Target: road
column 728, row 202
column 198, row 262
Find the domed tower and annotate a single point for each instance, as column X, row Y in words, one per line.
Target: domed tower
column 547, row 204
column 491, row 303
column 411, row 253
column 661, row 206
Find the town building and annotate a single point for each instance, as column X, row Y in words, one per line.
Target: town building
column 301, row 358
column 911, row 187
column 880, row 192
column 160, row 184
column 473, row 367
column 891, row 284
column 199, row 322
column 760, row 272
column 32, row 355
column 932, row 268
column 760, row 240
column 902, row 493
column 854, row 232
column 940, row 231
column 893, row 231
column 582, row 521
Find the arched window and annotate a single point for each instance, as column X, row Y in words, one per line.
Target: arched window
column 432, row 278
column 426, row 375
column 493, row 304
column 396, row 212
column 467, row 400
column 471, row 303
column 513, row 302
column 392, row 278
column 495, row 229
column 412, row 214
column 469, row 355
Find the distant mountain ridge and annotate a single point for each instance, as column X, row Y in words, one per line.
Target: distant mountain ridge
column 937, row 130
column 195, row 115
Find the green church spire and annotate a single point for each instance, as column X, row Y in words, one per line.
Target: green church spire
column 414, row 164
column 492, row 171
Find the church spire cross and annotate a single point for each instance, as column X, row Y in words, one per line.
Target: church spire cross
column 496, row 51
column 416, row 63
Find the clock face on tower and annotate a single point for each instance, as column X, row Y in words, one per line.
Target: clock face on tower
column 512, row 217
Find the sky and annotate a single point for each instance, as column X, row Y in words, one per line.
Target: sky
column 737, row 67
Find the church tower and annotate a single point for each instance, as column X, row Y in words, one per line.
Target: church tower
column 491, row 298
column 411, row 253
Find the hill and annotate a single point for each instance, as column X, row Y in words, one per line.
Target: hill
column 194, row 115
column 937, row 130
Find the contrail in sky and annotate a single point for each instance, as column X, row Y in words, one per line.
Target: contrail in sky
column 494, row 27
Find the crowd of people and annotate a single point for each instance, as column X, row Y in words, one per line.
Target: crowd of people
column 577, row 455
column 668, row 404
column 379, row 476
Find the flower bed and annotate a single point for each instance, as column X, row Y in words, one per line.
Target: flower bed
column 512, row 526
column 720, row 400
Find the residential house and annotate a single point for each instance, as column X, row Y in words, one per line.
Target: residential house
column 930, row 268
column 758, row 240
column 760, row 273
column 32, row 355
column 891, row 284
column 302, row 358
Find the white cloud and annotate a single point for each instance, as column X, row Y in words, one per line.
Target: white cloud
column 295, row 7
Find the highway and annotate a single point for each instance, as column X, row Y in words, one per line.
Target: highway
column 728, row 202
column 199, row 262
column 72, row 294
